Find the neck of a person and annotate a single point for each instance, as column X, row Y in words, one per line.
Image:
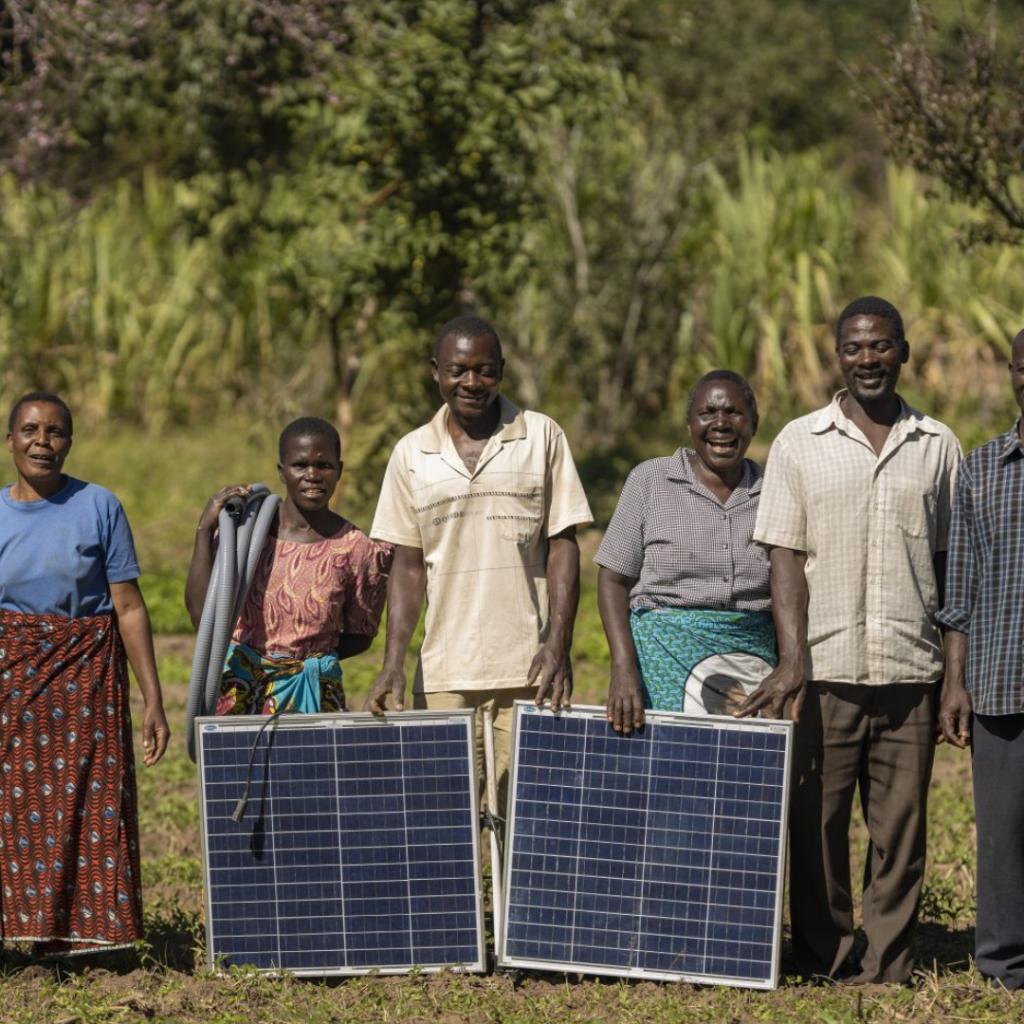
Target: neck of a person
column 294, row 521
column 23, row 491
column 882, row 412
column 721, row 484
column 476, row 428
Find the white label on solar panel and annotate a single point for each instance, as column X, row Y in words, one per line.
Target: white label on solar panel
column 657, row 855
column 359, row 848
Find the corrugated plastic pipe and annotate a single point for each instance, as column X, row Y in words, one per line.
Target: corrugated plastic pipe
column 242, row 527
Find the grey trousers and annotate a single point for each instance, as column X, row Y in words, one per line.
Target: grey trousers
column 998, row 762
column 880, row 740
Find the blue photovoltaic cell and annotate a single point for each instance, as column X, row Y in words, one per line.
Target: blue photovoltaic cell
column 658, row 854
column 358, row 849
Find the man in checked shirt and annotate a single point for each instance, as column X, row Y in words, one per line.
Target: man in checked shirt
column 855, row 507
column 984, row 616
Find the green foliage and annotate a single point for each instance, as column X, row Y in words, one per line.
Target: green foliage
column 163, row 593
column 951, row 100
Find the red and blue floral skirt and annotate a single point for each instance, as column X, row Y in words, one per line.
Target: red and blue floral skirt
column 69, row 828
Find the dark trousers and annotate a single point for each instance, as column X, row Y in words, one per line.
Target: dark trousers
column 998, row 762
column 882, row 740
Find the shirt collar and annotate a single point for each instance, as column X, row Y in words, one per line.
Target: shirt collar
column 681, row 472
column 909, row 420
column 511, row 427
column 1012, row 443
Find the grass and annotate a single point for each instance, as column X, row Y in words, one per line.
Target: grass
column 168, row 982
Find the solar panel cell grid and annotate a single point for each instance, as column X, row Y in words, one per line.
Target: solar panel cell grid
column 656, row 855
column 358, row 850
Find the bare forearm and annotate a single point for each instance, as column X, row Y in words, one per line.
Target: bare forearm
column 956, row 659
column 199, row 571
column 789, row 605
column 137, row 636
column 563, row 576
column 939, row 565
column 406, row 589
column 201, row 566
column 613, row 591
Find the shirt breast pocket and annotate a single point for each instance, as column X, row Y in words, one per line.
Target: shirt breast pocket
column 518, row 518
column 519, row 529
column 915, row 504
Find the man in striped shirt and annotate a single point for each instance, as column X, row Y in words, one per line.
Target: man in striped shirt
column 984, row 680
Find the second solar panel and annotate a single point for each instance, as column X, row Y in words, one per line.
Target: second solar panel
column 658, row 855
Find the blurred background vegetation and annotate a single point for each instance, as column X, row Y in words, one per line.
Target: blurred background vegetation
column 218, row 214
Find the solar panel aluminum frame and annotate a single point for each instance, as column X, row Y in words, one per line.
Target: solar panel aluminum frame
column 652, row 719
column 250, row 724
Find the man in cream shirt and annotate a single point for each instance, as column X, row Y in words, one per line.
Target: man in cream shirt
column 482, row 504
column 855, row 507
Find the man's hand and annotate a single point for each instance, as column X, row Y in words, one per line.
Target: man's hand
column 390, row 681
column 769, row 699
column 955, row 712
column 551, row 671
column 625, row 707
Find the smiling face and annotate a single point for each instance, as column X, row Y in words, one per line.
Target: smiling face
column 40, row 442
column 871, row 356
column 468, row 373
column 721, row 426
column 310, row 472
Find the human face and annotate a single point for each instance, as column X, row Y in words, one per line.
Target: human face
column 468, row 372
column 721, row 425
column 40, row 442
column 1017, row 370
column 310, row 472
column 870, row 357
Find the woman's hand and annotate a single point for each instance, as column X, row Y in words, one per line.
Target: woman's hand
column 208, row 520
column 155, row 734
column 625, row 699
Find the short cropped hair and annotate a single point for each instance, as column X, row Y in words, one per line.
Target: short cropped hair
column 308, row 426
column 41, row 396
column 732, row 378
column 466, row 327
column 872, row 305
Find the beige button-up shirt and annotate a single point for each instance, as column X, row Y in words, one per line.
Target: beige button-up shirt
column 871, row 526
column 484, row 540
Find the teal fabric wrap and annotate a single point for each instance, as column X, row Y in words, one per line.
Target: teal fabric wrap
column 701, row 661
column 257, row 683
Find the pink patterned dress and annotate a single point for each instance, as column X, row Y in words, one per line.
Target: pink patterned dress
column 302, row 598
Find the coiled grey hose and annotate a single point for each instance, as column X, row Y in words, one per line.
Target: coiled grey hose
column 242, row 527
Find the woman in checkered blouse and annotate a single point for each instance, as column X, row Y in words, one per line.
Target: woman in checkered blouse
column 683, row 588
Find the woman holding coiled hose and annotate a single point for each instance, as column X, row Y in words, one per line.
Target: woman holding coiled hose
column 317, row 594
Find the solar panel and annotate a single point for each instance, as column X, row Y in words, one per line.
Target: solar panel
column 657, row 855
column 358, row 851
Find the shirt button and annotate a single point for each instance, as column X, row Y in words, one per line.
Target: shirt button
column 724, row 516
column 725, row 547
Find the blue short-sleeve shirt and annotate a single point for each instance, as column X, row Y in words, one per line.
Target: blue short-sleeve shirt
column 60, row 555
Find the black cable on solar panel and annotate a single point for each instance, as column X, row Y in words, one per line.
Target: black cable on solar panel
column 491, row 822
column 239, row 811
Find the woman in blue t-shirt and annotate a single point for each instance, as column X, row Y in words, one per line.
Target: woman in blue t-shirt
column 70, row 610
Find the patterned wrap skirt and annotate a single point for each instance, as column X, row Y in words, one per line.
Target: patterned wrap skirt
column 703, row 662
column 69, row 827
